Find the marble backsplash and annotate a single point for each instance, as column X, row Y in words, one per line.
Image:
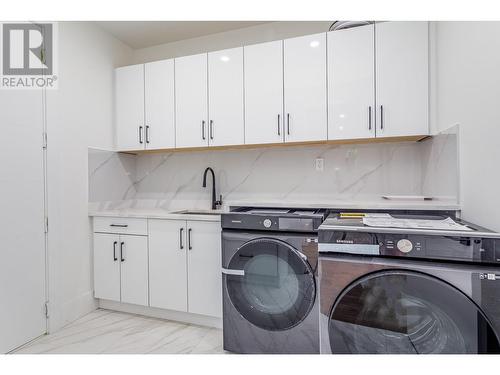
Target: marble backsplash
column 364, row 172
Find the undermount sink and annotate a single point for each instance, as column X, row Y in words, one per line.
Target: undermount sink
column 198, row 212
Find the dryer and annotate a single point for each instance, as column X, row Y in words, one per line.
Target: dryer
column 269, row 280
column 408, row 290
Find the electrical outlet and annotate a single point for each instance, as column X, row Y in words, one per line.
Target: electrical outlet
column 320, row 164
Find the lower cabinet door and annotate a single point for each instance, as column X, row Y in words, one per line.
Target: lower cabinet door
column 204, row 268
column 107, row 266
column 168, row 264
column 133, row 256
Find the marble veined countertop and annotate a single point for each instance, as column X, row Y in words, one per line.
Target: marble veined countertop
column 158, row 213
column 214, row 215
column 381, row 203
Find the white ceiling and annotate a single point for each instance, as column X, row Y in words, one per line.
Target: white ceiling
column 141, row 34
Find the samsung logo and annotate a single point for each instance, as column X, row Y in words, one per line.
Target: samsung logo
column 345, row 241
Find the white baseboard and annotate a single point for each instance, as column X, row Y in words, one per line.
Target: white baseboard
column 62, row 314
column 154, row 312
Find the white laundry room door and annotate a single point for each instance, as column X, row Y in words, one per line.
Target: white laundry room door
column 22, row 234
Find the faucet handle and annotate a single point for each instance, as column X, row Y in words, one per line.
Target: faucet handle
column 219, row 202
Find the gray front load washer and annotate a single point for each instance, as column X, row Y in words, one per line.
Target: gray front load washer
column 269, row 292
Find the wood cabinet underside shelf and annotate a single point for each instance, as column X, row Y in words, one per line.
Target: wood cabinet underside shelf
column 412, row 138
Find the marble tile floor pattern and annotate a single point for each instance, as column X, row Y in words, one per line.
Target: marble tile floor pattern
column 111, row 332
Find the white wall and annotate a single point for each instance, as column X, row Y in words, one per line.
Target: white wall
column 229, row 39
column 79, row 114
column 468, row 88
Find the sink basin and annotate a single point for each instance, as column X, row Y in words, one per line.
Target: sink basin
column 198, row 212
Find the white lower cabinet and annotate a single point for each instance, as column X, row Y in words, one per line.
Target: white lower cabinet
column 185, row 266
column 106, row 266
column 204, row 268
column 167, row 264
column 121, row 268
column 134, row 269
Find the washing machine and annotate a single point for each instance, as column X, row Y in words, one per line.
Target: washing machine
column 269, row 276
column 410, row 289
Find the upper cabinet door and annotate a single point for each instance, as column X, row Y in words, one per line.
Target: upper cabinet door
column 264, row 93
column 129, row 89
column 191, row 101
column 225, row 97
column 305, row 88
column 159, row 98
column 402, row 66
column 351, row 83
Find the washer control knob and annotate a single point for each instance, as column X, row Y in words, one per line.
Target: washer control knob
column 267, row 223
column 404, row 245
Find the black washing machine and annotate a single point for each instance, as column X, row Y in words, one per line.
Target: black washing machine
column 408, row 290
column 269, row 276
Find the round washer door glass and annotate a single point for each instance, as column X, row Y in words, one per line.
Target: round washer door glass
column 277, row 290
column 407, row 312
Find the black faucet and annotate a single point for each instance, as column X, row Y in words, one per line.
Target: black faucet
column 215, row 203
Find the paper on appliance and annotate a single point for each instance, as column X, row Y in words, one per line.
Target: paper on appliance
column 387, row 221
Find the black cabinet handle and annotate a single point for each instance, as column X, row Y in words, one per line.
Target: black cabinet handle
column 119, row 225
column 288, row 123
column 122, row 258
column 211, row 129
column 381, row 117
column 114, row 251
column 203, row 130
column 140, row 135
column 147, row 133
column 189, row 239
column 370, row 117
column 279, row 132
column 181, row 245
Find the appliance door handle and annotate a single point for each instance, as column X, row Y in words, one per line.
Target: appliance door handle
column 147, row 133
column 203, row 129
column 181, row 245
column 122, row 258
column 211, row 129
column 279, row 131
column 381, row 117
column 114, row 251
column 288, row 123
column 229, row 271
column 140, row 135
column 189, row 239
column 370, row 117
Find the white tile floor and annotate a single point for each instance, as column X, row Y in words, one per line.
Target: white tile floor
column 104, row 331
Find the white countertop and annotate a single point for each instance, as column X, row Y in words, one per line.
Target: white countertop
column 202, row 215
column 158, row 213
column 354, row 204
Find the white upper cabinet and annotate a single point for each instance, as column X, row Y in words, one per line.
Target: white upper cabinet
column 129, row 89
column 145, row 106
column 225, row 97
column 351, row 83
column 264, row 93
column 305, row 88
column 402, row 92
column 159, row 131
column 191, row 101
